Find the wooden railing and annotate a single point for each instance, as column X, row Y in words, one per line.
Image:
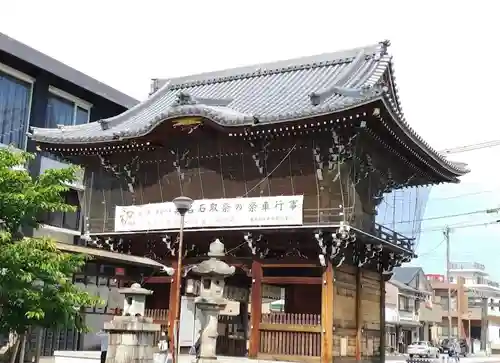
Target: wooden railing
column 160, row 316
column 396, row 238
column 283, row 335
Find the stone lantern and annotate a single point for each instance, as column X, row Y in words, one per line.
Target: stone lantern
column 131, row 336
column 135, row 300
column 211, row 302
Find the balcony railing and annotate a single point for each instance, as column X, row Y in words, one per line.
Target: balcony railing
column 312, row 217
column 466, row 266
column 48, row 161
column 65, row 220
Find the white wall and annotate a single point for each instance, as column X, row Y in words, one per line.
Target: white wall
column 494, row 333
column 391, row 314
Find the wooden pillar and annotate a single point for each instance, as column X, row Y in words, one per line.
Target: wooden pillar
column 382, row 320
column 172, row 303
column 256, row 309
column 327, row 296
column 359, row 317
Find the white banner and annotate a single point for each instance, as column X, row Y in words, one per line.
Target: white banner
column 210, row 213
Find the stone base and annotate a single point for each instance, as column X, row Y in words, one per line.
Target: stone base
column 131, row 339
column 131, row 324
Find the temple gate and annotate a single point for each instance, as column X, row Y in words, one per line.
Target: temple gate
column 287, row 164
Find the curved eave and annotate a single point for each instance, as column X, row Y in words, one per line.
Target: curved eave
column 455, row 168
column 222, row 117
column 393, row 105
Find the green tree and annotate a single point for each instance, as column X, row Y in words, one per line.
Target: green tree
column 36, row 279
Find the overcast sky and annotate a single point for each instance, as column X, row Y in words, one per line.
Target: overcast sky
column 445, row 55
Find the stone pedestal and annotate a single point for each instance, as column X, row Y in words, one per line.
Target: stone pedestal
column 131, row 339
column 209, row 330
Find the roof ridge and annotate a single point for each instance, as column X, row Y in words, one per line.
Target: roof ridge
column 281, row 66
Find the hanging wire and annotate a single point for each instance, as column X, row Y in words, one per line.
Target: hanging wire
column 318, row 196
column 88, row 207
column 221, row 171
column 243, row 170
column 341, row 190
column 433, row 249
column 270, row 173
column 290, row 170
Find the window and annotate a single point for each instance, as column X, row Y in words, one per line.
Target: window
column 64, row 109
column 66, row 220
column 15, row 106
column 445, row 302
column 405, row 303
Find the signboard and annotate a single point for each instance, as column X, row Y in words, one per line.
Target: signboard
column 435, row 277
column 212, row 213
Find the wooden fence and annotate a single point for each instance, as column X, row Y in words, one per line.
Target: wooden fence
column 283, row 336
column 160, row 316
column 232, row 340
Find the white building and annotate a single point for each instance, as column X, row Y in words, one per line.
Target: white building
column 482, row 292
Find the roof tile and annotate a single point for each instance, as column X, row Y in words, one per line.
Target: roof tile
column 267, row 93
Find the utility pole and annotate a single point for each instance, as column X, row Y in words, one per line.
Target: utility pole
column 447, row 238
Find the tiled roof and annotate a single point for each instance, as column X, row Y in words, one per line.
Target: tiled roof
column 405, row 274
column 402, row 286
column 261, row 94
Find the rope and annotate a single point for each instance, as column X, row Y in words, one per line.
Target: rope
column 272, row 171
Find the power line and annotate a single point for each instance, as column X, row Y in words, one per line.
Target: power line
column 487, row 211
column 460, row 226
column 463, row 195
column 461, row 149
column 433, row 249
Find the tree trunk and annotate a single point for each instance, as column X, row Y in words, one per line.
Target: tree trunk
column 15, row 348
column 22, row 351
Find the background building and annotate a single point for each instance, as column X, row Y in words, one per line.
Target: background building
column 411, row 314
column 36, row 90
column 475, row 304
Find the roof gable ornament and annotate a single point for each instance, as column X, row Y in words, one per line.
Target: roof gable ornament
column 184, row 98
column 318, row 98
column 104, row 124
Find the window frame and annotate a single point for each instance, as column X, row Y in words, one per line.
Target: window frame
column 406, row 302
column 21, row 76
column 77, row 102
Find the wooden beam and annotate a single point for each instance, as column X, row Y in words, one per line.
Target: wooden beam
column 359, row 316
column 256, row 310
column 327, row 295
column 382, row 318
column 172, row 303
column 292, row 280
column 158, row 280
column 289, row 265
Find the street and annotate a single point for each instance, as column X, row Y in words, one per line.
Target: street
column 478, row 359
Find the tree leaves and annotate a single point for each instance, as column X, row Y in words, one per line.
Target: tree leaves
column 23, row 198
column 36, row 279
